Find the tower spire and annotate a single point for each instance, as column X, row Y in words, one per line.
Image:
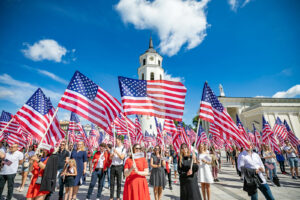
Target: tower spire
column 150, row 43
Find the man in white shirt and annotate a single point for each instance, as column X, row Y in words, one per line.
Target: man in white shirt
column 10, row 163
column 117, row 156
column 251, row 160
column 292, row 158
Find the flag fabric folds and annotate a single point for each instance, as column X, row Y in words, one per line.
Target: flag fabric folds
column 212, row 110
column 159, row 98
column 201, row 138
column 291, row 136
column 4, row 119
column 90, row 101
column 35, row 115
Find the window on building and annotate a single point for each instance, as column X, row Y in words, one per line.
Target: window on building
column 152, row 76
column 150, row 126
column 143, row 76
column 144, row 61
column 158, row 62
column 160, row 77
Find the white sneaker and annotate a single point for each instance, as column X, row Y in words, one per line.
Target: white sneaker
column 98, row 199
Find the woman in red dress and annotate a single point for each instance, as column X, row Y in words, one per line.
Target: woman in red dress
column 37, row 166
column 136, row 186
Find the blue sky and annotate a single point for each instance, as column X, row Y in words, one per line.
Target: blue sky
column 251, row 47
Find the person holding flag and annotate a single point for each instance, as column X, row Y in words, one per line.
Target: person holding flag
column 189, row 189
column 136, row 186
column 117, row 156
column 10, row 160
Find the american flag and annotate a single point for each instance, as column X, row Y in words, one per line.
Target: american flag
column 139, row 138
column 74, row 124
column 90, row 101
column 121, row 127
column 251, row 137
column 183, row 135
column 256, row 137
column 201, row 138
column 176, row 141
column 191, row 133
column 228, row 145
column 126, row 141
column 241, row 127
column 291, row 136
column 85, row 138
column 169, row 127
column 55, row 133
column 4, row 119
column 36, row 114
column 213, row 111
column 266, row 130
column 214, row 131
column 14, row 138
column 280, row 130
column 94, row 136
column 75, row 130
column 159, row 136
column 159, row 98
column 274, row 144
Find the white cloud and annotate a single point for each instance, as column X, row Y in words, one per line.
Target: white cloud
column 169, row 77
column 53, row 76
column 18, row 92
column 235, row 4
column 178, row 22
column 46, row 49
column 290, row 93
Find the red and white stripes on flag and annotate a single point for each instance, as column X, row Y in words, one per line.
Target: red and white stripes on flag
column 14, row 138
column 121, row 127
column 212, row 110
column 159, row 98
column 36, row 114
column 55, row 133
column 279, row 130
column 169, row 127
column 139, row 138
column 90, row 101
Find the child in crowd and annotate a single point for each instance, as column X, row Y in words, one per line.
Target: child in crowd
column 280, row 158
column 69, row 173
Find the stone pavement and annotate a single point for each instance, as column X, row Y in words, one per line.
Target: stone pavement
column 229, row 187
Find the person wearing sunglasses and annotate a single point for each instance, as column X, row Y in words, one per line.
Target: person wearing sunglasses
column 136, row 186
column 189, row 189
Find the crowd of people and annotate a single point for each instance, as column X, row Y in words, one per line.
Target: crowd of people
column 65, row 169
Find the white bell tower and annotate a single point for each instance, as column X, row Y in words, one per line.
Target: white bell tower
column 150, row 69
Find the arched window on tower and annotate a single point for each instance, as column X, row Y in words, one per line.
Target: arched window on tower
column 152, row 76
column 158, row 62
column 160, row 77
column 143, row 76
column 144, row 61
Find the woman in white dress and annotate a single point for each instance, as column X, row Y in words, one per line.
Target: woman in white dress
column 204, row 172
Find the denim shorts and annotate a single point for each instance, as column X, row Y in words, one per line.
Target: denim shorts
column 293, row 162
column 175, row 167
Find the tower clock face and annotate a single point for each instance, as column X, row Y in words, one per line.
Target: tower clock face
column 151, row 58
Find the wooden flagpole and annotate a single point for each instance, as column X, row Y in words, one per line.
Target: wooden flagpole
column 38, row 148
column 129, row 140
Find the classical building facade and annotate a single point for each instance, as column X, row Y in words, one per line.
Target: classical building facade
column 150, row 69
column 250, row 110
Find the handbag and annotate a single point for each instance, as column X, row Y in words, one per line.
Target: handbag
column 39, row 180
column 26, row 164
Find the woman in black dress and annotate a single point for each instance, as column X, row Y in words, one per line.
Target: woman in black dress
column 157, row 177
column 189, row 189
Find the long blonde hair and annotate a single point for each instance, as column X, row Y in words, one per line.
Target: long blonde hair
column 82, row 147
column 182, row 153
column 72, row 161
